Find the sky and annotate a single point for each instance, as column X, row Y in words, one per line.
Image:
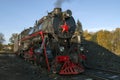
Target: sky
column 17, row 15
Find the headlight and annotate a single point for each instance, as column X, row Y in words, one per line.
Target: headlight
column 81, row 49
column 61, row 48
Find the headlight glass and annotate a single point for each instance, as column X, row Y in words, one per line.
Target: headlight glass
column 81, row 49
column 61, row 48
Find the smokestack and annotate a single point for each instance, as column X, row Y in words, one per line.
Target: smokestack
column 59, row 3
column 57, row 11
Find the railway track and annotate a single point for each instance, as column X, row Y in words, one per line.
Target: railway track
column 89, row 74
column 100, row 74
column 92, row 74
column 7, row 55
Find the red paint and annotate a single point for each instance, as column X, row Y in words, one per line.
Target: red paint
column 46, row 58
column 65, row 27
column 61, row 59
column 69, row 68
column 82, row 56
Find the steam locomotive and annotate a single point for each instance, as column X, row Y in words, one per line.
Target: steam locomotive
column 54, row 42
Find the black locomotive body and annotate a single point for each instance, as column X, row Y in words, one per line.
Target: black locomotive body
column 53, row 43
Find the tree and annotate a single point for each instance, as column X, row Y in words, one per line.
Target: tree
column 79, row 27
column 104, row 39
column 87, row 35
column 116, row 41
column 13, row 37
column 107, row 39
column 1, row 40
column 94, row 37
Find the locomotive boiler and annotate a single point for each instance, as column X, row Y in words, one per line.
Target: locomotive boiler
column 54, row 42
